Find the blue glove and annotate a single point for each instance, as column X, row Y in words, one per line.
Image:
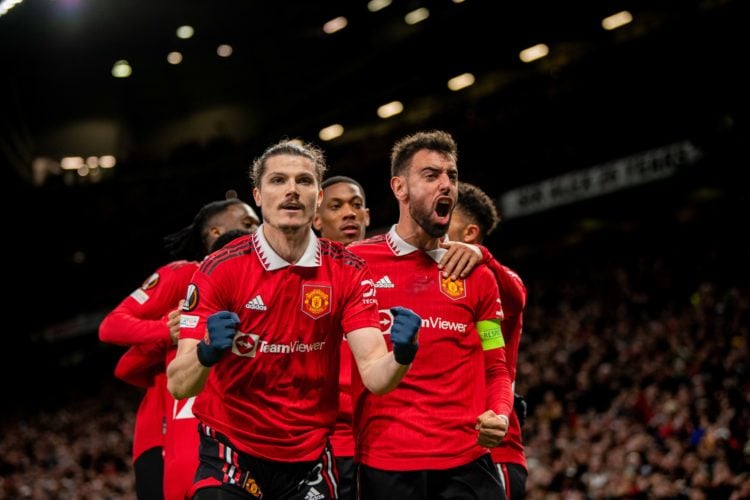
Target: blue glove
column 405, row 326
column 520, row 407
column 221, row 327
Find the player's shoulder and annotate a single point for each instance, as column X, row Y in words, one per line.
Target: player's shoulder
column 481, row 281
column 228, row 254
column 169, row 272
column 338, row 254
column 367, row 245
column 482, row 272
column 179, row 266
column 502, row 271
column 513, row 275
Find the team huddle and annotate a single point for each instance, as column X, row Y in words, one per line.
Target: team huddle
column 290, row 357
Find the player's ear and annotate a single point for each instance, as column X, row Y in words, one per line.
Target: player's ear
column 367, row 217
column 398, row 186
column 317, row 222
column 471, row 233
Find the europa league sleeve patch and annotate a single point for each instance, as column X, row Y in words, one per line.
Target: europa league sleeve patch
column 191, row 298
column 151, row 282
column 316, row 300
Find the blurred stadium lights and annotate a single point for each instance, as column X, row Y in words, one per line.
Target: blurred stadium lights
column 461, row 81
column 334, row 25
column 331, row 132
column 390, row 109
column 90, row 168
column 617, row 20
column 534, row 52
column 6, row 5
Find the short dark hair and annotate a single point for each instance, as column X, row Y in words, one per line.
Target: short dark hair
column 291, row 147
column 406, row 148
column 477, row 205
column 343, row 178
column 191, row 242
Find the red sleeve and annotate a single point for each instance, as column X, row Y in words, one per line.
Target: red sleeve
column 499, row 389
column 498, row 380
column 513, row 295
column 512, row 289
column 141, row 317
column 141, row 363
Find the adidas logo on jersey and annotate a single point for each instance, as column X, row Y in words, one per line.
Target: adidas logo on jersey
column 256, row 304
column 313, row 494
column 384, row 282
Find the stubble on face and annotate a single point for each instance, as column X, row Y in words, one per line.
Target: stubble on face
column 422, row 192
column 422, row 215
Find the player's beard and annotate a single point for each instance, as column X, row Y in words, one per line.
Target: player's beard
column 423, row 217
column 293, row 227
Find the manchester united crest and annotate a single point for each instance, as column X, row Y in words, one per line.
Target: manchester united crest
column 455, row 289
column 252, row 487
column 316, row 300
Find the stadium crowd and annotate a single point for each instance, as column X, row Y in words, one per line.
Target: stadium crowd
column 634, row 364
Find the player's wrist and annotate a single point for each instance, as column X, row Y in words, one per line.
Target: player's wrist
column 206, row 356
column 404, row 353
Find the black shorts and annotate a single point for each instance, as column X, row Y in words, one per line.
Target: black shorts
column 346, row 469
column 477, row 480
column 223, row 467
column 149, row 474
column 513, row 477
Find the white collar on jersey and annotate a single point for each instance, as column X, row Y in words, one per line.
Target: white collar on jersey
column 400, row 247
column 272, row 261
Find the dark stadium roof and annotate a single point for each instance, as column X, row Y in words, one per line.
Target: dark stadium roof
column 185, row 134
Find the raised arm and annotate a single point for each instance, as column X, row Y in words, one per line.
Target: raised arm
column 188, row 371
column 140, row 364
column 126, row 325
column 139, row 318
column 381, row 370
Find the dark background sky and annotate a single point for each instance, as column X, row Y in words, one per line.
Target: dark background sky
column 185, row 135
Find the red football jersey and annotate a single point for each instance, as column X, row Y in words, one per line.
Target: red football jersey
column 150, row 418
column 342, row 439
column 140, row 319
column 513, row 295
column 428, row 421
column 181, row 443
column 275, row 392
column 140, row 364
column 143, row 365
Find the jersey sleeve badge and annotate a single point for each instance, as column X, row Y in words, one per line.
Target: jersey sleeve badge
column 191, row 298
column 151, row 282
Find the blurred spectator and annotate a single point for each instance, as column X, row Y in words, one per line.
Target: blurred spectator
column 77, row 451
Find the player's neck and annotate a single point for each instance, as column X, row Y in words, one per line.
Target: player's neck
column 412, row 233
column 289, row 244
